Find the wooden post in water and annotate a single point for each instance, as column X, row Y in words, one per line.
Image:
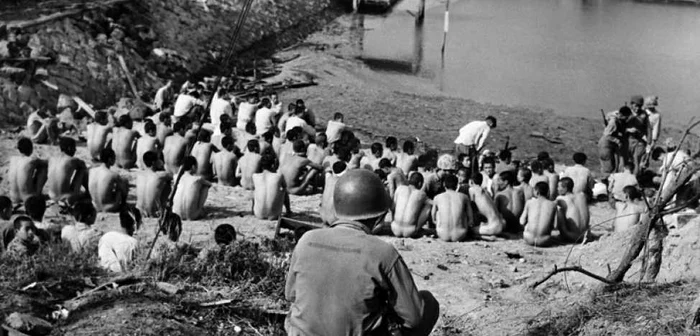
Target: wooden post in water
column 421, row 13
column 447, row 27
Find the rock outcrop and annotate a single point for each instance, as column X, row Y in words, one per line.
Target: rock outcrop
column 78, row 53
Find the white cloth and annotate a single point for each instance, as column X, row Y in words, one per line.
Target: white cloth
column 333, row 130
column 263, row 120
column 655, row 124
column 246, row 112
column 473, row 133
column 116, row 249
column 218, row 108
column 80, row 236
column 184, row 103
column 295, row 121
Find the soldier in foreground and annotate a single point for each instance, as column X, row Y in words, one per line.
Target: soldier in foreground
column 343, row 281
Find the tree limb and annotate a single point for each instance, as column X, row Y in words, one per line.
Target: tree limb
column 571, row 269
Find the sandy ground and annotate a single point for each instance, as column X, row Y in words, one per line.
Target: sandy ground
column 480, row 285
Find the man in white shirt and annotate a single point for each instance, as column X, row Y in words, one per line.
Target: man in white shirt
column 264, row 117
column 219, row 106
column 81, row 235
column 297, row 121
column 164, row 96
column 474, row 134
column 246, row 112
column 654, row 118
column 117, row 249
column 185, row 102
column 334, row 128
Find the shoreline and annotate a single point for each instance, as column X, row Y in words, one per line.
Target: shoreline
column 349, row 86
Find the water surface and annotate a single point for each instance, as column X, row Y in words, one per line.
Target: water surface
column 574, row 57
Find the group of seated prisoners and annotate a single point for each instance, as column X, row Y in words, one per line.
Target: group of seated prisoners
column 273, row 153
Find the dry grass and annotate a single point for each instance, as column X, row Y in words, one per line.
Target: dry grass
column 646, row 309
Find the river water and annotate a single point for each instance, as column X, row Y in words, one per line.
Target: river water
column 574, row 57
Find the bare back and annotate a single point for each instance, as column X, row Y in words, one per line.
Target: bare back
column 316, row 154
column 66, row 176
column 152, row 191
column 124, row 146
column 224, row 165
column 451, row 214
column 570, row 219
column 627, row 215
column 97, row 136
column 411, row 209
column 539, row 218
column 406, row 162
column 27, row 176
column 268, row 197
column 248, row 165
column 174, row 152
column 495, row 224
column 292, row 170
column 143, row 145
column 202, row 153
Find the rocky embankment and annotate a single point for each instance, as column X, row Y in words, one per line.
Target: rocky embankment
column 73, row 47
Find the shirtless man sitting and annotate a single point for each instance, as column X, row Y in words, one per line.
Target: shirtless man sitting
column 394, row 176
column 539, row 217
column 299, row 171
column 27, row 174
column 98, row 134
column 552, row 177
column 107, row 189
column 202, row 151
column 41, row 127
column 618, row 181
column 270, row 189
column 411, row 208
column 452, row 212
column 407, row 160
column 67, row 174
column 524, row 176
column 164, row 128
column 147, row 143
column 630, row 211
column 248, row 165
column 124, row 143
column 391, row 149
column 191, row 193
column 327, row 210
column 572, row 215
column 509, row 201
column 371, row 162
column 318, row 151
column 537, row 174
column 174, row 149
column 152, row 187
column 225, row 163
column 495, row 224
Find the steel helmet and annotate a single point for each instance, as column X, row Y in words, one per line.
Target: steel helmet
column 360, row 194
column 447, row 162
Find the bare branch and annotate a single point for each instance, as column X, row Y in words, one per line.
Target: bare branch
column 571, row 269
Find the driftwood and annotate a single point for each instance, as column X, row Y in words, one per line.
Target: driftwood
column 128, row 77
column 570, row 269
column 72, row 10
column 217, row 303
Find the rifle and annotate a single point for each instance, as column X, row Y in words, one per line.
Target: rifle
column 605, row 120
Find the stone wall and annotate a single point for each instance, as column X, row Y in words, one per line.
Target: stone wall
column 157, row 38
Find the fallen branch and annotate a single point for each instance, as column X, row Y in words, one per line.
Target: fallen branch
column 571, row 269
column 128, row 77
column 60, row 15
